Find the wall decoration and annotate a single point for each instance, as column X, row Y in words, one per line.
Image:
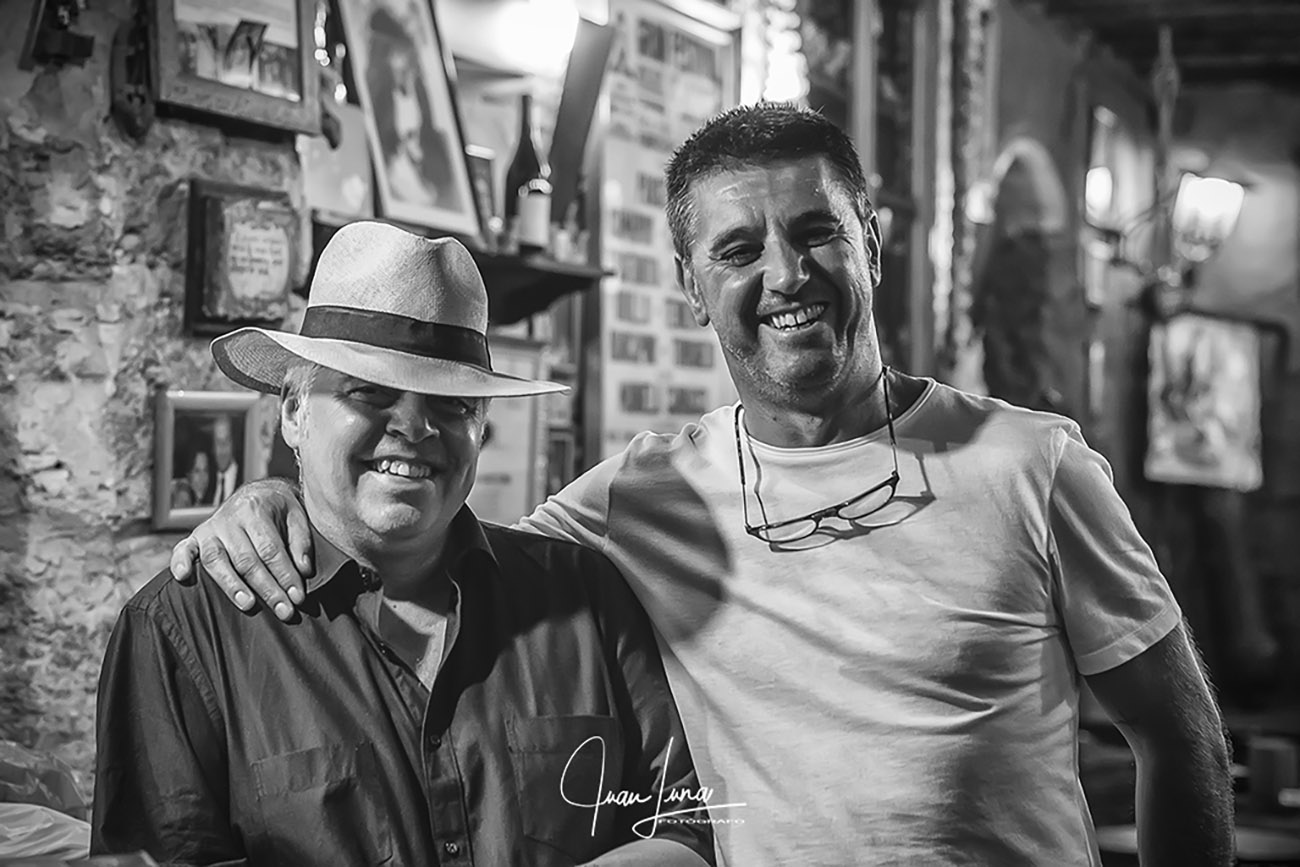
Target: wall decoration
column 405, row 80
column 241, row 252
column 338, row 181
column 482, row 165
column 1204, row 403
column 206, row 443
column 669, row 71
column 249, row 60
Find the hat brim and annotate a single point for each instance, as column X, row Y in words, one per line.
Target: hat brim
column 257, row 359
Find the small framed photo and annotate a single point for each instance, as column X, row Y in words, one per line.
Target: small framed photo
column 247, row 60
column 206, row 444
column 406, row 83
column 240, row 257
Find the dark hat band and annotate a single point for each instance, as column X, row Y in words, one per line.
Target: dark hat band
column 394, row 331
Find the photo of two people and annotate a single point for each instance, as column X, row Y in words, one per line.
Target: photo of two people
column 206, row 459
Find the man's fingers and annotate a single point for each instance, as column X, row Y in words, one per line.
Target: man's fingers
column 184, row 554
column 219, row 568
column 300, row 547
column 273, row 558
column 248, row 562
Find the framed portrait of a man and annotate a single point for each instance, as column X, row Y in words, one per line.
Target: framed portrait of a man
column 405, row 80
column 206, row 444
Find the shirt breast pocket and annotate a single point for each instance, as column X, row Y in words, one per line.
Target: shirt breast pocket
column 564, row 766
column 323, row 805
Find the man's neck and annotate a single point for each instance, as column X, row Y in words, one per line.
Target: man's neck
column 410, row 570
column 836, row 419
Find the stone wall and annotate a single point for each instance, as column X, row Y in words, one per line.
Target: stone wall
column 91, row 291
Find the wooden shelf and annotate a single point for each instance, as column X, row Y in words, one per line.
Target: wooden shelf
column 519, row 286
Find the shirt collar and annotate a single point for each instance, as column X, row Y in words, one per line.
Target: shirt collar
column 466, row 543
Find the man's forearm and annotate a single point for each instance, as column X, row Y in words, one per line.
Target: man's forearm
column 1185, row 807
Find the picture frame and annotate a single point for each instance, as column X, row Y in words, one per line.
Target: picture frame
column 1204, row 401
column 245, row 60
column 206, row 443
column 413, row 125
column 241, row 257
column 482, row 165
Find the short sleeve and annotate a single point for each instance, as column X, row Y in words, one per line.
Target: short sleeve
column 1114, row 602
column 580, row 512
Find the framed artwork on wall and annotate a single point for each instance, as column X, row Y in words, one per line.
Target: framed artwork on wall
column 247, row 60
column 482, row 165
column 206, row 443
column 1203, row 425
column 406, row 83
column 240, row 257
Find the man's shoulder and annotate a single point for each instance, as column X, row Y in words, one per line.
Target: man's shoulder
column 648, row 455
column 548, row 552
column 166, row 601
column 163, row 593
column 944, row 405
column 543, row 564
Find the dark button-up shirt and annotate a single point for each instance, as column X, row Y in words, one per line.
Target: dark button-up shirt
column 227, row 736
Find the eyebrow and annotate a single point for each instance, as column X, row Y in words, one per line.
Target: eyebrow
column 741, row 233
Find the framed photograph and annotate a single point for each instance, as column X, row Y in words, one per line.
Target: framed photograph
column 1204, row 403
column 481, row 163
column 206, row 444
column 405, row 80
column 248, row 60
column 240, row 257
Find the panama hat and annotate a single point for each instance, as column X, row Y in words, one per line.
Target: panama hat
column 388, row 307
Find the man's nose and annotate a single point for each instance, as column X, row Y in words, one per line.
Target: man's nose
column 785, row 267
column 411, row 417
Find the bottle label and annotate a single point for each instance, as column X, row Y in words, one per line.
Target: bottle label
column 535, row 219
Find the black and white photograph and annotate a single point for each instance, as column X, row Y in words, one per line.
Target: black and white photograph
column 247, row 62
column 207, row 446
column 403, row 76
column 882, row 449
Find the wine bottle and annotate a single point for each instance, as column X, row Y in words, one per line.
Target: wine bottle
column 528, row 187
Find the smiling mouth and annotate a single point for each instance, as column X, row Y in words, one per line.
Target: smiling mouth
column 404, row 469
column 792, row 320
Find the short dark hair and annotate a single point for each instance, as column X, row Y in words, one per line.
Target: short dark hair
column 758, row 135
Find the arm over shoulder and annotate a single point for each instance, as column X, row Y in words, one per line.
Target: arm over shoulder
column 580, row 512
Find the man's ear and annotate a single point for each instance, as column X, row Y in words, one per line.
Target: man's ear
column 291, row 411
column 875, row 245
column 691, row 291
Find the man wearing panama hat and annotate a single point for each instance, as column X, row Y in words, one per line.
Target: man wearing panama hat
column 455, row 693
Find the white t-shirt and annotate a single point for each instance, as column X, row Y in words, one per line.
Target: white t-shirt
column 906, row 694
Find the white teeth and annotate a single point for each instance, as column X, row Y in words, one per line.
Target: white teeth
column 403, row 468
column 794, row 319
